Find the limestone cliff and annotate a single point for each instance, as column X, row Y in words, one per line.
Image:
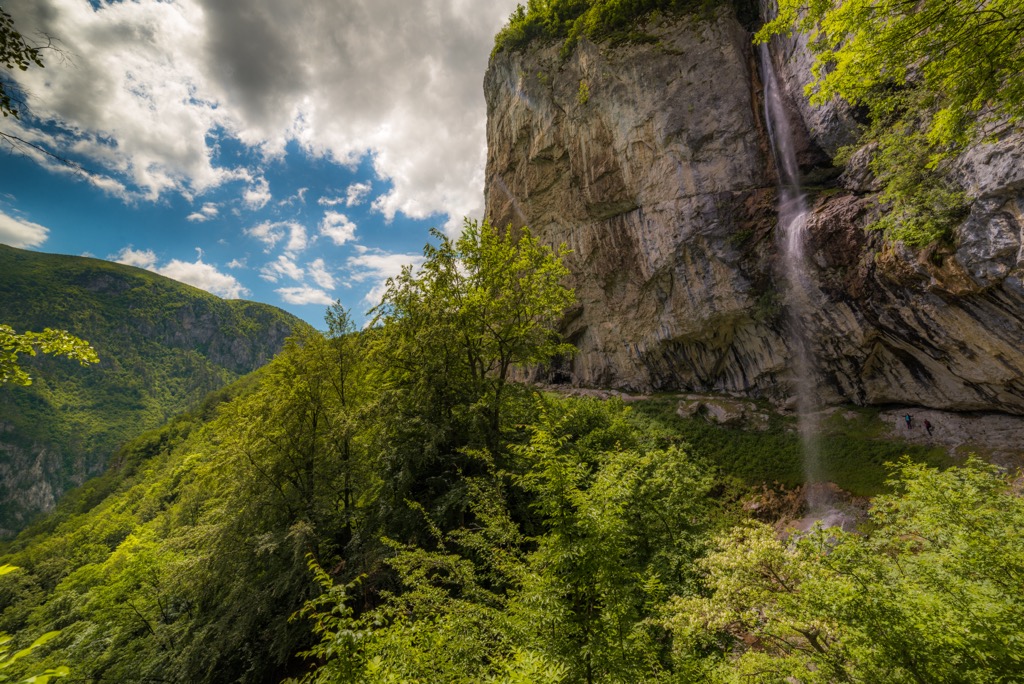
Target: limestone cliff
column 652, row 162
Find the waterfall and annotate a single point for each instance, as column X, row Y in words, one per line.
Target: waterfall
column 796, row 277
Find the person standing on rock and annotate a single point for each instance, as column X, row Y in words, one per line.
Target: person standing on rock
column 927, row 427
column 907, row 418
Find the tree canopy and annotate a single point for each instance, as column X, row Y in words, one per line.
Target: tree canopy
column 934, row 76
column 571, row 20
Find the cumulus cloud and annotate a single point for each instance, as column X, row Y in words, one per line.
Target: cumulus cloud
column 17, row 232
column 283, row 267
column 356, row 194
column 143, row 258
column 299, row 197
column 208, row 211
column 196, row 273
column 258, row 194
column 320, row 275
column 132, row 98
column 377, row 266
column 204, row 276
column 304, row 295
column 272, row 232
column 338, row 227
column 153, row 85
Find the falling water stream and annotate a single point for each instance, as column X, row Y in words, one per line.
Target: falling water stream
column 798, row 287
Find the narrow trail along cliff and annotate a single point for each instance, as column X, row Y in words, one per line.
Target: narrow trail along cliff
column 651, row 160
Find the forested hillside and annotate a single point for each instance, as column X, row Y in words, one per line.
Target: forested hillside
column 162, row 345
column 383, row 506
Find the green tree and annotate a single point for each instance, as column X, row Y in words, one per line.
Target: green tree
column 49, row 341
column 478, row 306
column 446, row 337
column 8, row 659
column 931, row 593
column 618, row 523
column 622, row 527
column 934, row 76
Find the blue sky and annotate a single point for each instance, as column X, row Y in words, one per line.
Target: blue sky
column 289, row 153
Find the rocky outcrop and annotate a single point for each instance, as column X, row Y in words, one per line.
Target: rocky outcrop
column 651, row 162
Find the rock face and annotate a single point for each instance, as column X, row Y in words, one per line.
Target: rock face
column 651, row 161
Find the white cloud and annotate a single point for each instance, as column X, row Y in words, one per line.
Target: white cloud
column 204, row 276
column 356, row 194
column 17, row 232
column 196, row 273
column 208, row 211
column 258, row 194
column 304, row 295
column 283, row 267
column 377, row 266
column 338, row 227
column 272, row 232
column 143, row 258
column 237, row 263
column 131, row 100
column 297, row 239
column 299, row 196
column 320, row 275
column 153, row 85
column 268, row 233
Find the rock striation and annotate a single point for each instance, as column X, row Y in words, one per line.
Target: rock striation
column 651, row 161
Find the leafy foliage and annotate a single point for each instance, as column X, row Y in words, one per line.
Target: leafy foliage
column 7, row 658
column 49, row 341
column 570, row 20
column 619, row 521
column 854, row 444
column 930, row 593
column 934, row 76
column 448, row 337
column 195, row 557
column 15, row 53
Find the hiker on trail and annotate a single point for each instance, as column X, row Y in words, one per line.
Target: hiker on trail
column 927, row 426
column 907, row 418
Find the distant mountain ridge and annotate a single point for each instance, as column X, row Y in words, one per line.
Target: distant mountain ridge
column 163, row 346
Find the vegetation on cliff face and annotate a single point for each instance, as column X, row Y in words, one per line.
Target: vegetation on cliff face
column 162, row 346
column 382, row 506
column 570, row 20
column 934, row 78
